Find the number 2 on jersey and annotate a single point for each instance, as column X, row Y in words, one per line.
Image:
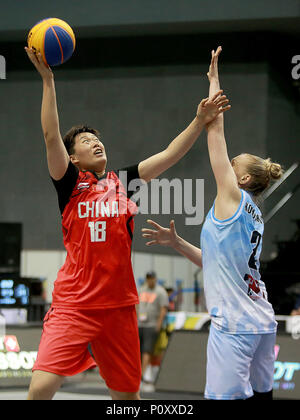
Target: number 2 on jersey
column 98, row 231
column 255, row 239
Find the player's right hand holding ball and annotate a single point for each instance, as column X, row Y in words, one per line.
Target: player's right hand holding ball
column 37, row 60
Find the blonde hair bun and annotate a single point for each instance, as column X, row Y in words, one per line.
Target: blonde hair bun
column 274, row 169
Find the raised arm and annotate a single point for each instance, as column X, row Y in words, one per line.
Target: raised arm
column 57, row 156
column 207, row 110
column 228, row 192
column 169, row 237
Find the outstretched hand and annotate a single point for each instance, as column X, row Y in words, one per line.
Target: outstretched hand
column 210, row 108
column 213, row 68
column 161, row 236
column 37, row 60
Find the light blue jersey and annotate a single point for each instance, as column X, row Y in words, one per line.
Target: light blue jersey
column 236, row 297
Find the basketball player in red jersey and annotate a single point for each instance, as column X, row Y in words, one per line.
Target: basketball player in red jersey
column 95, row 295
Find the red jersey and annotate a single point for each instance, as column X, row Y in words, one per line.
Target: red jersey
column 97, row 224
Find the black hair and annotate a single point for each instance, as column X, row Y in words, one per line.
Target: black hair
column 69, row 138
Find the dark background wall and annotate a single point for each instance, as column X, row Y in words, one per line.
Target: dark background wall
column 138, row 74
column 117, row 17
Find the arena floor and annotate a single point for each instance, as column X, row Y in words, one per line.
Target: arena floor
column 94, row 393
column 20, row 395
column 89, row 386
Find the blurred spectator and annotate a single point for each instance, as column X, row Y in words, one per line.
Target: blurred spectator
column 151, row 313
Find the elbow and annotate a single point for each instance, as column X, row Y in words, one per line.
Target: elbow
column 47, row 136
column 50, row 137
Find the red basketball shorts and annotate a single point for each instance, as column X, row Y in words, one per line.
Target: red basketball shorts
column 114, row 338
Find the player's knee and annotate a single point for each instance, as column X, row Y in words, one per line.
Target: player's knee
column 38, row 391
column 43, row 386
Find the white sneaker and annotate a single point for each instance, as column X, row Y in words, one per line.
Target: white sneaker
column 146, row 387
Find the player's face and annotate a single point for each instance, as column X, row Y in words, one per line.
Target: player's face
column 240, row 166
column 89, row 153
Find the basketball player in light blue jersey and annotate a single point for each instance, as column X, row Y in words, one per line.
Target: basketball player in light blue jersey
column 240, row 351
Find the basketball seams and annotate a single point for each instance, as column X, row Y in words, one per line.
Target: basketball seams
column 58, row 40
column 33, row 34
column 71, row 35
column 38, row 35
column 43, row 50
column 65, row 27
